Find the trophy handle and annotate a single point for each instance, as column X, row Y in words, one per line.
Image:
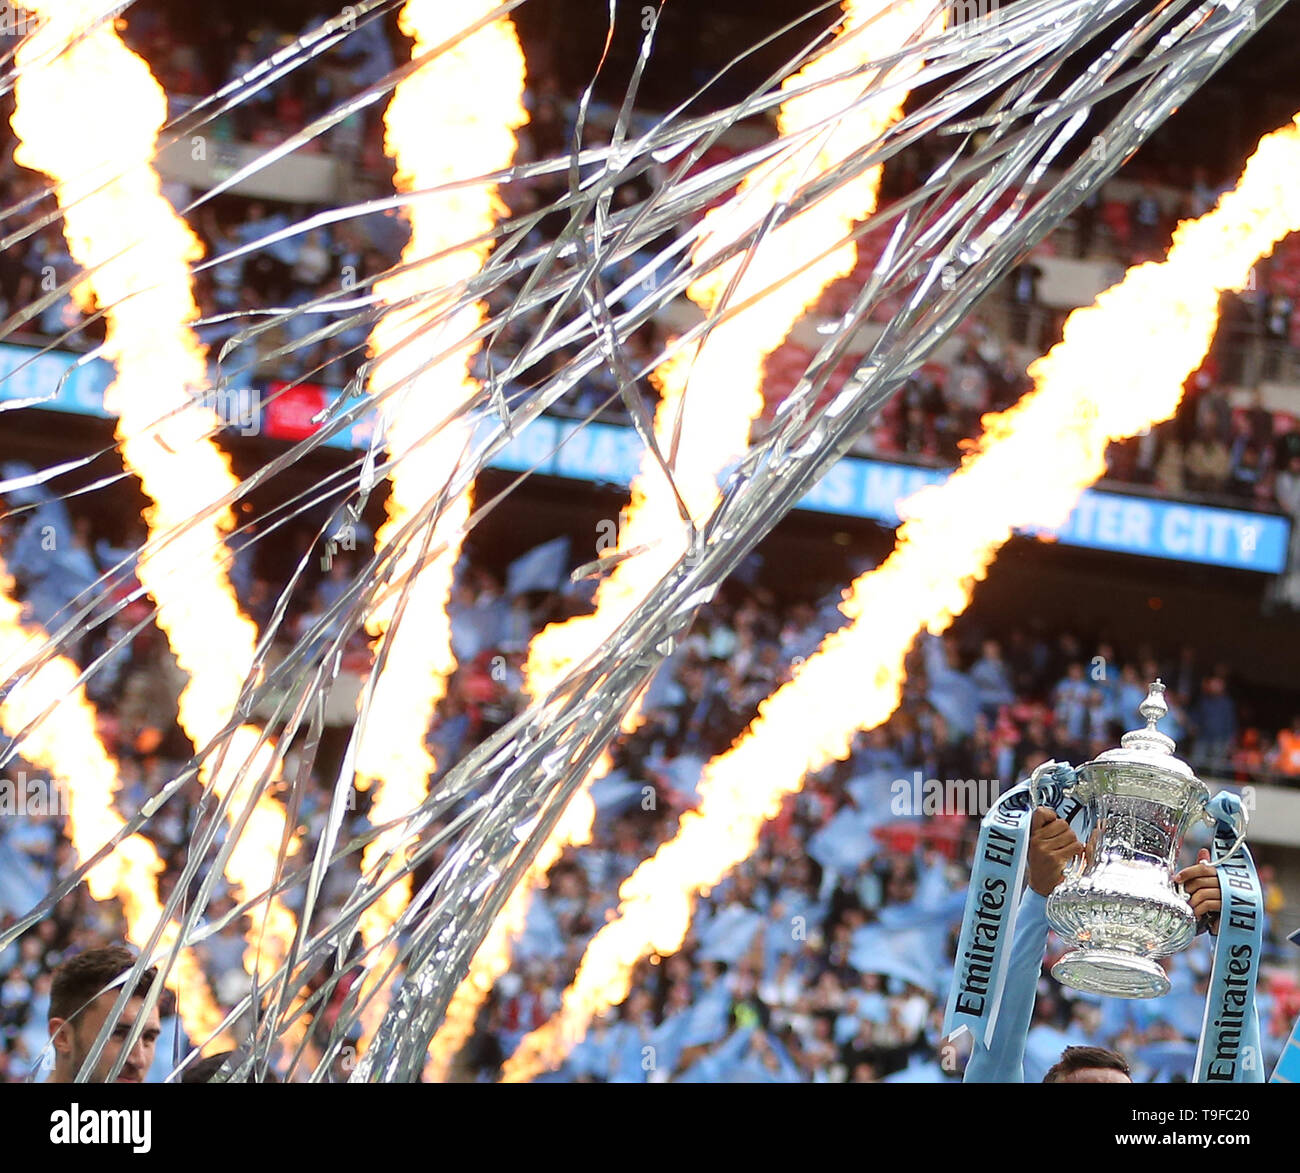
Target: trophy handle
column 1241, row 819
column 1087, row 832
column 1034, row 793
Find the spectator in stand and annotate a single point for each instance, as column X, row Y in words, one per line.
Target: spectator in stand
column 1249, row 464
column 1212, row 413
column 1286, row 758
column 1028, row 321
column 1287, row 445
column 1215, row 722
column 1274, row 903
column 967, row 391
column 1085, row 223
column 992, row 677
column 1278, row 309
column 1204, row 194
column 1170, row 468
column 1209, row 464
column 1148, row 221
column 1070, row 701
column 1259, row 419
column 1248, row 759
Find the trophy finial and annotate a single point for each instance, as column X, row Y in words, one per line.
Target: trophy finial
column 1151, row 710
column 1155, row 706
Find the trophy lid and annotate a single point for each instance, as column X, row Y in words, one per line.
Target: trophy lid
column 1149, row 747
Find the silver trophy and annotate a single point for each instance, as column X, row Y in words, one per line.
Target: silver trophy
column 1119, row 904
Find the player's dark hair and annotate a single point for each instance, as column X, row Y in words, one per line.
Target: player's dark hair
column 1084, row 1058
column 205, row 1070
column 81, row 979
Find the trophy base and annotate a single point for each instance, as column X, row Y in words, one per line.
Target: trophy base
column 1110, row 972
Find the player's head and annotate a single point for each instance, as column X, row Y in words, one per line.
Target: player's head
column 80, row 1002
column 1089, row 1065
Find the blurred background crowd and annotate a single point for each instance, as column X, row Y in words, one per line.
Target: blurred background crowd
column 1225, row 444
column 825, row 957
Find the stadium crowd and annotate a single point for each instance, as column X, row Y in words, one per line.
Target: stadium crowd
column 1224, row 445
column 825, row 955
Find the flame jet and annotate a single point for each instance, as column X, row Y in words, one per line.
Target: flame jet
column 87, row 114
column 451, row 120
column 67, row 744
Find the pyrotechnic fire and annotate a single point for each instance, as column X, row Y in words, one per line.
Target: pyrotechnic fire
column 67, row 744
column 89, row 118
column 727, row 374
column 451, row 120
column 1120, row 367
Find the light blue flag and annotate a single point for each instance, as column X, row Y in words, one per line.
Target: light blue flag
column 906, row 955
column 845, row 843
column 871, row 791
column 172, row 1044
column 664, row 690
column 710, row 1018
column 1288, row 1064
column 794, row 915
column 543, row 568
column 752, row 1069
column 475, row 630
column 541, row 939
column 788, row 1066
column 685, row 772
column 846, row 1026
column 47, row 525
column 730, row 935
column 717, row 1067
column 914, row 914
column 1185, row 1009
column 1043, row 1048
column 933, row 891
column 593, row 1055
column 633, row 1057
column 667, row 1039
column 615, row 793
column 35, row 1033
column 917, row 1071
column 1168, row 1059
column 952, row 693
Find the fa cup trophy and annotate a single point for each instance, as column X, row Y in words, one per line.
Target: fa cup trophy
column 1118, row 903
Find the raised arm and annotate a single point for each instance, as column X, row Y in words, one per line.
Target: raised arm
column 1052, row 844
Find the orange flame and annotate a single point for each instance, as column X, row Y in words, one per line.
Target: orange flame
column 727, row 371
column 67, row 744
column 89, row 118
column 452, row 119
column 1120, row 368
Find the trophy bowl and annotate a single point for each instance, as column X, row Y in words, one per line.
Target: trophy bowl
column 1118, row 904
